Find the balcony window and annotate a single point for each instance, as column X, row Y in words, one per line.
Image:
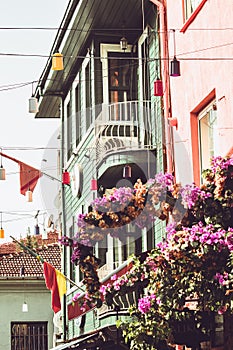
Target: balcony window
column 143, row 67
column 207, row 135
column 145, row 75
column 122, row 83
column 190, row 6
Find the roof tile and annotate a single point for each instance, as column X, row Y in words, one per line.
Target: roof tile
column 15, row 263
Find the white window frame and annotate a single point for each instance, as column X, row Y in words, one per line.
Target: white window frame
column 205, row 153
column 75, row 84
column 141, row 42
column 104, row 49
column 190, row 6
column 86, row 61
column 66, row 129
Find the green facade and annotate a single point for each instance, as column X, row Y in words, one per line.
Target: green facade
column 106, row 126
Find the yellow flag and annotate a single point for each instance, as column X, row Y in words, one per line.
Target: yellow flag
column 61, row 283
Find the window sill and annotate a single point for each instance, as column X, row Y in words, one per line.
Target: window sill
column 193, row 16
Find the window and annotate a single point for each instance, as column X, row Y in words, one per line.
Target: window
column 29, row 336
column 218, row 334
column 121, row 80
column 190, row 6
column 88, row 95
column 69, row 129
column 78, row 113
column 207, row 135
column 119, row 71
column 102, row 250
column 128, row 248
column 144, row 76
column 131, row 244
column 150, row 238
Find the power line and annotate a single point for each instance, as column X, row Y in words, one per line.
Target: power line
column 68, row 29
column 23, row 215
column 25, row 55
column 119, row 58
column 105, row 29
column 18, row 86
column 19, row 148
column 205, row 49
column 133, row 58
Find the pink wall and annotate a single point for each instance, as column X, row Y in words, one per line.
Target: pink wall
column 199, row 77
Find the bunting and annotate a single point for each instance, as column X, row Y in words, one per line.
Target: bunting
column 56, row 282
column 28, row 175
column 54, row 279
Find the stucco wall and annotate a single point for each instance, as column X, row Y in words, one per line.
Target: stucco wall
column 11, row 300
column 204, row 51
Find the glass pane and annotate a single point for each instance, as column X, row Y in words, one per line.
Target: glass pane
column 121, row 78
column 207, row 136
column 190, row 7
column 78, row 113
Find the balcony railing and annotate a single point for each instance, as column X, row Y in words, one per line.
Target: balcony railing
column 123, row 126
column 107, row 269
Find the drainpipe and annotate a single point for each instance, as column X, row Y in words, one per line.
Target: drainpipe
column 165, row 78
column 63, row 206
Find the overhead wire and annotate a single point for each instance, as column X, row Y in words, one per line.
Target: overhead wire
column 20, row 148
column 105, row 29
column 23, row 84
column 22, row 215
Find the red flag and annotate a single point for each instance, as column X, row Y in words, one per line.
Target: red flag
column 28, row 175
column 52, row 284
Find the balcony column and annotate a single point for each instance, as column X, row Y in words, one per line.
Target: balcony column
column 165, row 78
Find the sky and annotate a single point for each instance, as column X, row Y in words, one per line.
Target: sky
column 32, row 141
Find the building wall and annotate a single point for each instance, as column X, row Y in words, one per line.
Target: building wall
column 204, row 50
column 12, row 297
column 73, row 206
column 82, row 155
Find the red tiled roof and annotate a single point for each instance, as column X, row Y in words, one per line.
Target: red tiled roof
column 11, row 264
column 11, row 247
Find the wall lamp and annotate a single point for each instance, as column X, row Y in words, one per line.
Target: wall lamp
column 158, row 84
column 123, row 43
column 2, row 170
column 127, row 172
column 175, row 64
column 2, row 233
column 57, row 61
column 175, row 68
column 33, row 103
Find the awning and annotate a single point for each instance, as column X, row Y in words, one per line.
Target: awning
column 71, row 344
column 104, row 338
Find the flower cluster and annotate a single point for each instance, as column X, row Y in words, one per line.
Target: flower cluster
column 191, row 194
column 121, row 206
column 221, row 165
column 145, row 303
column 191, row 268
column 194, row 261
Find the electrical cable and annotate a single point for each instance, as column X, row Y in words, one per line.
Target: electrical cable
column 105, row 29
column 120, row 58
column 23, row 215
column 20, row 148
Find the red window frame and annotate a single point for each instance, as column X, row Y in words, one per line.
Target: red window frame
column 193, row 15
column 195, row 135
